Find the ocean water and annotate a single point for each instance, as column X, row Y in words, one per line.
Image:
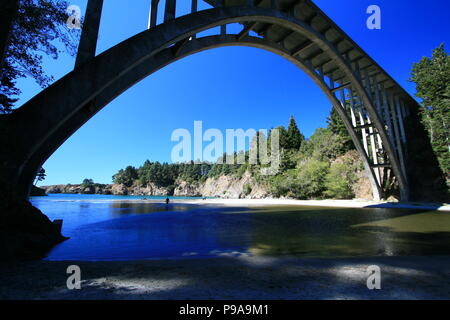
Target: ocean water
column 104, row 227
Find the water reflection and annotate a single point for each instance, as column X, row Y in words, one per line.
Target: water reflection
column 122, row 208
column 124, row 230
column 348, row 232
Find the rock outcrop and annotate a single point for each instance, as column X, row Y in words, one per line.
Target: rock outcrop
column 223, row 186
column 37, row 192
column 186, row 189
column 232, row 187
column 113, row 189
column 25, row 232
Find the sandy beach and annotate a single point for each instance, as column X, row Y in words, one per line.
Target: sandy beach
column 231, row 277
column 355, row 203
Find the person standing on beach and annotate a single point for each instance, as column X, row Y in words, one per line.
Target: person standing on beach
column 167, row 200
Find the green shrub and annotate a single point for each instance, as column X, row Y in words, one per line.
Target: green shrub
column 342, row 176
column 246, row 189
column 338, row 182
column 311, row 176
column 305, row 182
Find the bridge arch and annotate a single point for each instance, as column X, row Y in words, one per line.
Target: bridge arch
column 370, row 112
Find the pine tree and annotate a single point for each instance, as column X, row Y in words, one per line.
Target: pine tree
column 294, row 137
column 337, row 127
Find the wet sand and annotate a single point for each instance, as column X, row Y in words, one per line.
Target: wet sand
column 231, row 277
column 323, row 203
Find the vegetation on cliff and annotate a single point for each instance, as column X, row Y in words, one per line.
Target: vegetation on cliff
column 308, row 169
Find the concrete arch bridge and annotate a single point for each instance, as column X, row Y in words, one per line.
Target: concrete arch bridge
column 380, row 116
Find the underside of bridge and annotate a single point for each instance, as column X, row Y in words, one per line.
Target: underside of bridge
column 380, row 116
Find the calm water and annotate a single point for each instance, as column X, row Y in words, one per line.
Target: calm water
column 106, row 228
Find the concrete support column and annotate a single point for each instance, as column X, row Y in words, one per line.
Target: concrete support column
column 352, row 108
column 387, row 115
column 400, row 117
column 7, row 15
column 194, row 6
column 89, row 35
column 169, row 12
column 401, row 156
column 153, row 14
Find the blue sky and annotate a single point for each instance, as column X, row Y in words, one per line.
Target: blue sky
column 234, row 87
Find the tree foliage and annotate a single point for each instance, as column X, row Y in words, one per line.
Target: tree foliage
column 294, row 138
column 341, row 177
column 337, row 127
column 323, row 145
column 432, row 79
column 126, row 177
column 39, row 32
column 87, row 183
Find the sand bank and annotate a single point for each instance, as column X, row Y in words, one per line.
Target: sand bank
column 355, row 203
column 320, row 203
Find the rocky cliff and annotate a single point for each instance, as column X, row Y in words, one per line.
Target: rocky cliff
column 113, row 189
column 222, row 187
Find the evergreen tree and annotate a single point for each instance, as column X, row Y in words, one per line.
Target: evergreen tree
column 294, row 137
column 337, row 127
column 432, row 79
column 126, row 177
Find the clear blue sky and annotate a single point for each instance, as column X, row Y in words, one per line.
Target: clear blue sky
column 234, row 87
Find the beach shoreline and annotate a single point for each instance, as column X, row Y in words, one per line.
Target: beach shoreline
column 354, row 203
column 324, row 203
